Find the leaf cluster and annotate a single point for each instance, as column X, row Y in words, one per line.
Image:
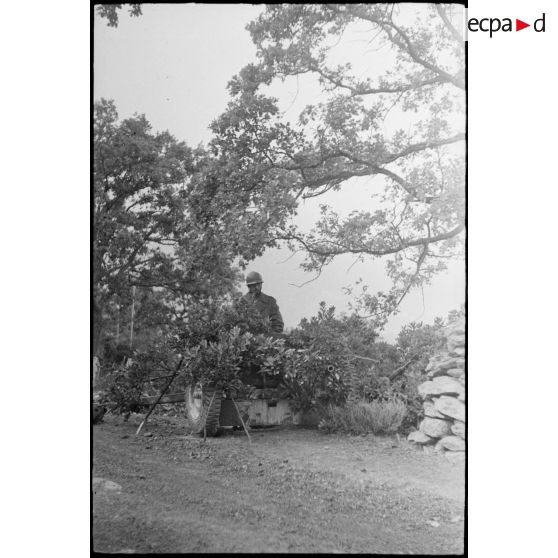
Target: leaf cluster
column 110, row 12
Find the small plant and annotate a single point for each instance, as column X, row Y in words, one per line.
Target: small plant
column 377, row 417
column 122, row 387
column 123, row 384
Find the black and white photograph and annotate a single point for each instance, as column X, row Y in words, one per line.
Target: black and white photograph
column 279, row 278
column 279, row 286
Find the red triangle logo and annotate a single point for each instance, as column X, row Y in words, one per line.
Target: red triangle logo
column 519, row 25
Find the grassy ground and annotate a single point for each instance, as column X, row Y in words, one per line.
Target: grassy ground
column 292, row 490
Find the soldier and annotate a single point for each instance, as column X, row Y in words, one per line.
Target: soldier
column 266, row 305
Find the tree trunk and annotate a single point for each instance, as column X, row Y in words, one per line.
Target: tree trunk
column 97, row 329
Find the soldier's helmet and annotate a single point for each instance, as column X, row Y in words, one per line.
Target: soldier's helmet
column 253, row 278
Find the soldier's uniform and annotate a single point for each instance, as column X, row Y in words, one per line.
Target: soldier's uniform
column 268, row 308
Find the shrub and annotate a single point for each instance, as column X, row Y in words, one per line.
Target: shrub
column 378, row 417
column 315, row 370
column 121, row 387
column 123, row 384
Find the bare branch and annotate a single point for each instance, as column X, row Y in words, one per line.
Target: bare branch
column 290, row 257
column 309, row 281
column 414, row 276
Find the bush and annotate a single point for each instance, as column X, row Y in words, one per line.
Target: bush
column 378, row 417
column 318, row 362
column 124, row 383
column 122, row 387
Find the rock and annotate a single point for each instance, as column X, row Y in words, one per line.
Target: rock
column 435, row 427
column 436, row 358
column 447, row 385
column 451, row 407
column 98, row 413
column 455, row 456
column 456, row 372
column 455, row 329
column 440, row 367
column 461, row 397
column 104, row 485
column 430, row 410
column 439, row 448
column 456, row 362
column 455, row 341
column 428, row 388
column 457, row 352
column 458, row 428
column 419, row 437
column 452, row 443
column 433, row 523
column 440, row 385
column 433, row 362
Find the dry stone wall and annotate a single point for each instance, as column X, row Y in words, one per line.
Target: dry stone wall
column 444, row 398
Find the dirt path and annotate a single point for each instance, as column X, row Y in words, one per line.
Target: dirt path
column 293, row 490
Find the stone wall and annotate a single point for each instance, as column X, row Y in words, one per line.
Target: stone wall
column 444, row 398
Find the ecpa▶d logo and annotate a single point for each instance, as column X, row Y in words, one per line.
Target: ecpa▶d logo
column 494, row 24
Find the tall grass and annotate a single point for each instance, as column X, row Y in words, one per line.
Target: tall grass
column 378, row 417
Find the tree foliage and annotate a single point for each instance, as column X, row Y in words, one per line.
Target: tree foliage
column 153, row 227
column 404, row 126
column 110, row 12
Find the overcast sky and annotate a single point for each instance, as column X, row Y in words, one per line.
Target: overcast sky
column 173, row 64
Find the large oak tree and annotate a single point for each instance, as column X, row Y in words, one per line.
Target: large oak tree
column 405, row 124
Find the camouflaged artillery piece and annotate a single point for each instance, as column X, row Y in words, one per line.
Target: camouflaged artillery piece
column 210, row 409
column 264, row 404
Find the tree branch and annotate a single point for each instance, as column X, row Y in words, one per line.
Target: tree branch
column 405, row 44
column 414, row 148
column 455, row 34
column 357, row 91
column 404, row 244
column 398, row 371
